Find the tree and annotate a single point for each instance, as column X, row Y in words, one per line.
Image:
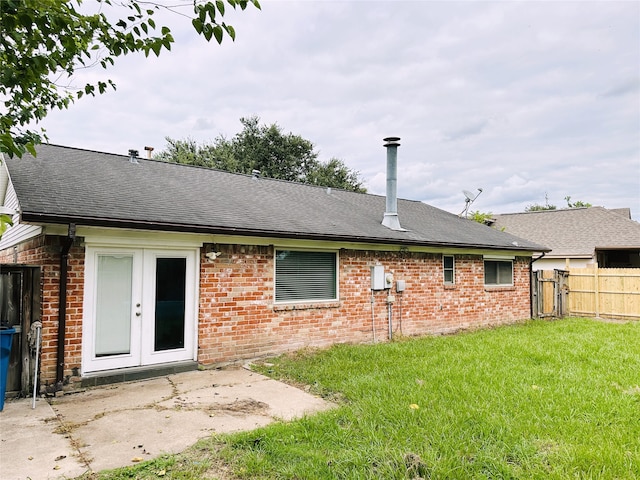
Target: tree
column 335, row 173
column 267, row 149
column 537, row 208
column 44, row 42
column 481, row 217
column 577, row 203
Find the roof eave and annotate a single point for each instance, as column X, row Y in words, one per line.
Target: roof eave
column 41, row 218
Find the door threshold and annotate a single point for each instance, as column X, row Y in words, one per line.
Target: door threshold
column 106, row 377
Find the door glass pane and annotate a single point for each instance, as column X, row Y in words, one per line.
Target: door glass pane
column 170, row 298
column 113, row 305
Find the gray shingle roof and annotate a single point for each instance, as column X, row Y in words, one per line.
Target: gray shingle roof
column 68, row 185
column 574, row 232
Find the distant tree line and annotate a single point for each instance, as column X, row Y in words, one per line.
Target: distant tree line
column 485, row 217
column 266, row 148
column 536, row 207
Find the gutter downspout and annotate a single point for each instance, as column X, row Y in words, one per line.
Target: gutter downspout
column 62, row 301
column 531, row 282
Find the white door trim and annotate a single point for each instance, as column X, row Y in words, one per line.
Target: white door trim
column 148, row 354
column 143, row 295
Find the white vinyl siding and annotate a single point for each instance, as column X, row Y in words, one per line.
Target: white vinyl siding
column 303, row 276
column 19, row 232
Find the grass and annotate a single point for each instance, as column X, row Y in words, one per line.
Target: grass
column 547, row 400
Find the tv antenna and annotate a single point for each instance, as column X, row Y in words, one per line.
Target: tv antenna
column 469, row 199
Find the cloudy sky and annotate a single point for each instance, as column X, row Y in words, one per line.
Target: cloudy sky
column 530, row 101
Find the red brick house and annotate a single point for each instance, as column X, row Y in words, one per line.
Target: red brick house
column 146, row 267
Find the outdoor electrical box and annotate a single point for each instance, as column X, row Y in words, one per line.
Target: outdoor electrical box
column 388, row 281
column 400, row 286
column 377, row 277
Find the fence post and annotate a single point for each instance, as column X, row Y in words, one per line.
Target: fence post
column 596, row 287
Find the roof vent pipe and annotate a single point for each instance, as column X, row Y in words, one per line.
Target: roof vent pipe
column 133, row 156
column 390, row 219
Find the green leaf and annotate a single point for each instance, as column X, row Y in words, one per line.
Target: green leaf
column 31, row 148
column 207, row 32
column 156, row 47
column 197, row 24
column 211, row 10
column 218, row 32
column 220, row 5
column 231, row 31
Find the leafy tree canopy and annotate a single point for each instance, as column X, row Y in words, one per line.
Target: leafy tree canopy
column 577, row 203
column 44, row 42
column 535, row 207
column 267, row 149
column 480, row 217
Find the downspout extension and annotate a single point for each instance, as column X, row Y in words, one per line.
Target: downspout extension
column 531, row 282
column 62, row 302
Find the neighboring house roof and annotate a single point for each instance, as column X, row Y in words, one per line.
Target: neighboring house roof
column 68, row 185
column 574, row 232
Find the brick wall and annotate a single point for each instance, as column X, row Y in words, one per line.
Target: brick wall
column 238, row 318
column 44, row 251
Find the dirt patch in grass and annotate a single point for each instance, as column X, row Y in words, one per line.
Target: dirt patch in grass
column 240, row 407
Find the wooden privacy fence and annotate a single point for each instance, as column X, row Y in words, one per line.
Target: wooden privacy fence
column 604, row 292
column 549, row 293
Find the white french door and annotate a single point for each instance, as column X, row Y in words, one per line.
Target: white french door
column 140, row 307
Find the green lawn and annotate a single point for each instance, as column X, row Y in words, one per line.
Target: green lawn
column 547, row 400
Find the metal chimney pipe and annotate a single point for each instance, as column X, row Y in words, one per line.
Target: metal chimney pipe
column 390, row 219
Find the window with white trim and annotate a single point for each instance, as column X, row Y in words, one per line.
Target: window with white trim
column 303, row 276
column 448, row 268
column 498, row 272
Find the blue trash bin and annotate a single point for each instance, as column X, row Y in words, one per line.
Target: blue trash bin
column 6, row 337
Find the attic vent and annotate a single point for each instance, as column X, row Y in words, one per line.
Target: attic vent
column 133, row 156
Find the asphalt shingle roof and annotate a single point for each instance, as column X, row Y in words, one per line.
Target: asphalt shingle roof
column 574, row 232
column 64, row 185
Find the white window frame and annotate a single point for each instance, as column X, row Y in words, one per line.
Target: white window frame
column 280, row 250
column 446, row 269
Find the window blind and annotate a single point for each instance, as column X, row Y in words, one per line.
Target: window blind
column 302, row 275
